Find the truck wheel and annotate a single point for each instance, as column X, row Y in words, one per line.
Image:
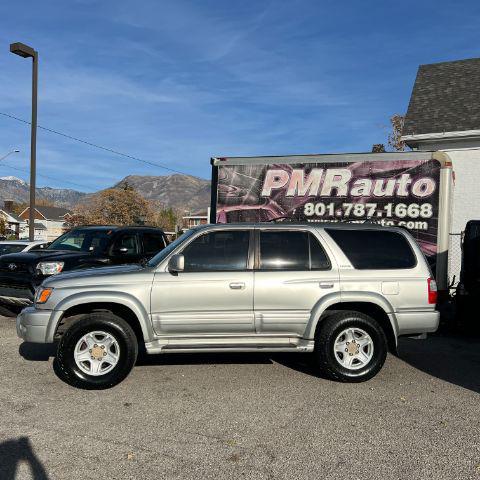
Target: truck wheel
column 350, row 347
column 97, row 351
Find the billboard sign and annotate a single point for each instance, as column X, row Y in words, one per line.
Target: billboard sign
column 401, row 193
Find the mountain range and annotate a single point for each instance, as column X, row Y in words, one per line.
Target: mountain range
column 184, row 192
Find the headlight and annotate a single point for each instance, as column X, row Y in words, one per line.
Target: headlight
column 43, row 294
column 50, row 268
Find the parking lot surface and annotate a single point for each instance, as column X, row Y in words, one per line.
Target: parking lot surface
column 243, row 416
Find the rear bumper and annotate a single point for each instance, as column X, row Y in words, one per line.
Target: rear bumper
column 32, row 325
column 417, row 322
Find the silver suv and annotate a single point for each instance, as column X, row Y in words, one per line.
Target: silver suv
column 343, row 292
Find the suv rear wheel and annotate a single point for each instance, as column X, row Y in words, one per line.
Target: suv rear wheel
column 350, row 347
column 98, row 351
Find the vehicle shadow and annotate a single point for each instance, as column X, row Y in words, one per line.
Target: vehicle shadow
column 300, row 362
column 202, row 359
column 452, row 358
column 16, row 451
column 37, row 352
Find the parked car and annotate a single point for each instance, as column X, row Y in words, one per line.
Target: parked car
column 80, row 248
column 16, row 246
column 343, row 292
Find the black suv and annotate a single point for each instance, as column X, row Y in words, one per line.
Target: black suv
column 82, row 247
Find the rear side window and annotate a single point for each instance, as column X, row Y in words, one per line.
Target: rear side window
column 291, row 250
column 374, row 249
column 126, row 244
column 153, row 243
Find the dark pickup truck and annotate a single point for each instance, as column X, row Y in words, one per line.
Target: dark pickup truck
column 82, row 247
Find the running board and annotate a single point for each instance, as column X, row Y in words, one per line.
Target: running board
column 230, row 345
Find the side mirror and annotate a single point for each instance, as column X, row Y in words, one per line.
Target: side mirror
column 176, row 263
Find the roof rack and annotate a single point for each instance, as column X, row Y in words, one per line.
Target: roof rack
column 283, row 218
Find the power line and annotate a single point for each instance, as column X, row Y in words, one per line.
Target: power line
column 106, row 149
column 46, row 176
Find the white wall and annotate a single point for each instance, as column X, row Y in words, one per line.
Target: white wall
column 466, row 197
column 466, row 165
column 54, row 229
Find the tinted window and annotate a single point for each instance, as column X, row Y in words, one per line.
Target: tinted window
column 87, row 240
column 374, row 249
column 11, row 248
column 227, row 250
column 152, row 243
column 126, row 244
column 172, row 246
column 280, row 250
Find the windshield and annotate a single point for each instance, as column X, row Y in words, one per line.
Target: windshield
column 83, row 240
column 10, row 248
column 172, row 246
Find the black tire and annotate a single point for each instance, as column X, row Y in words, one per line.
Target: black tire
column 328, row 331
column 68, row 369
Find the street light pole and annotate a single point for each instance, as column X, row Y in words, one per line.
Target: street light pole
column 9, row 153
column 25, row 51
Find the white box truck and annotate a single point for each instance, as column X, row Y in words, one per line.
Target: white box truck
column 412, row 190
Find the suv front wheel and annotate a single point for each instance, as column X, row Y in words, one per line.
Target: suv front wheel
column 97, row 351
column 350, row 347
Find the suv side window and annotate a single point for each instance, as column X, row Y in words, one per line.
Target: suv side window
column 126, row 244
column 291, row 250
column 374, row 249
column 216, row 251
column 153, row 243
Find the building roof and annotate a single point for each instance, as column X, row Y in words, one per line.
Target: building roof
column 445, row 98
column 51, row 213
column 11, row 217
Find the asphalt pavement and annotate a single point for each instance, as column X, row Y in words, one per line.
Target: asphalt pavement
column 243, row 416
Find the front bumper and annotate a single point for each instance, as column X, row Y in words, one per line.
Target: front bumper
column 32, row 325
column 18, row 289
column 410, row 323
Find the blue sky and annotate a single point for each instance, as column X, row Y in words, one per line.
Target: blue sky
column 176, row 82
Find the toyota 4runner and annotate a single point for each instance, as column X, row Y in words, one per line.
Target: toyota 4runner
column 343, row 292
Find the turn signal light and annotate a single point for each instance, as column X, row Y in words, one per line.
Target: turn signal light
column 432, row 291
column 44, row 295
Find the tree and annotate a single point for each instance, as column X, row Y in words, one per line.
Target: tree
column 167, row 218
column 114, row 206
column 44, row 202
column 18, row 208
column 394, row 137
column 378, row 148
column 3, row 226
column 74, row 220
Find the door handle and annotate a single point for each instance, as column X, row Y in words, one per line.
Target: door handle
column 237, row 286
column 325, row 285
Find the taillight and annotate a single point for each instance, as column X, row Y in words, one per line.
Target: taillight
column 432, row 291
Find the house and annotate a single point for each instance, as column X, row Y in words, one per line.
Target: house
column 49, row 222
column 444, row 114
column 14, row 223
column 198, row 218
